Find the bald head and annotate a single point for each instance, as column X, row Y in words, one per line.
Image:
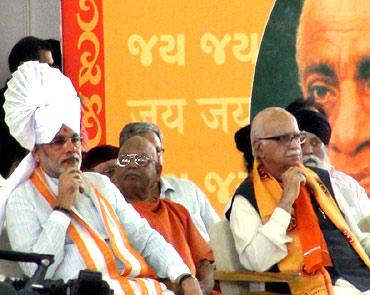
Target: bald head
column 265, row 122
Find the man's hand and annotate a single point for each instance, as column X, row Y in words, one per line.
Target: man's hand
column 205, row 276
column 190, row 286
column 292, row 180
column 70, row 185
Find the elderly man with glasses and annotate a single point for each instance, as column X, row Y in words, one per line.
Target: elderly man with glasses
column 136, row 176
column 179, row 190
column 284, row 217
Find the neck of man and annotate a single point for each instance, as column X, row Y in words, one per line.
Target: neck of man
column 141, row 194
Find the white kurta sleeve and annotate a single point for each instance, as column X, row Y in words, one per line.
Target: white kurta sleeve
column 259, row 246
column 27, row 234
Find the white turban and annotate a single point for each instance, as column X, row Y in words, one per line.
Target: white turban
column 38, row 101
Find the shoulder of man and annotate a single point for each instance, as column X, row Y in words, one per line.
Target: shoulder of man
column 178, row 184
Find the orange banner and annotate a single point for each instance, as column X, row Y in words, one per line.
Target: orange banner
column 187, row 66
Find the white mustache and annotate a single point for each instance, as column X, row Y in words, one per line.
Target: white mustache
column 293, row 153
column 311, row 160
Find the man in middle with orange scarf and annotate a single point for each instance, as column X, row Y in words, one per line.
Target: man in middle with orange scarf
column 136, row 177
column 284, row 217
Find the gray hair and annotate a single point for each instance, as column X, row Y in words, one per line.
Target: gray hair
column 137, row 128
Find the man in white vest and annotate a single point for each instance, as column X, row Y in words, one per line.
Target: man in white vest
column 80, row 218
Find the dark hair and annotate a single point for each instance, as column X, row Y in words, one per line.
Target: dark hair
column 10, row 151
column 56, row 52
column 137, row 128
column 243, row 143
column 307, row 103
column 97, row 155
column 26, row 49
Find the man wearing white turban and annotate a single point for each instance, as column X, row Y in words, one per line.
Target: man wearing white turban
column 80, row 218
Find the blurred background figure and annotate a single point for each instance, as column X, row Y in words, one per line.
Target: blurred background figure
column 101, row 159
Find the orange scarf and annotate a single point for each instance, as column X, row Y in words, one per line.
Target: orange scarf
column 315, row 251
column 174, row 223
column 305, row 254
column 96, row 252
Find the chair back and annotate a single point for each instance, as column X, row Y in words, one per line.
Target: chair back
column 227, row 259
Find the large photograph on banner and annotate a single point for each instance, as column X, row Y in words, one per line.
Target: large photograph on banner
column 321, row 49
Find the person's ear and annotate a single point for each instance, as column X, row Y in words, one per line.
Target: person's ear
column 36, row 153
column 158, row 168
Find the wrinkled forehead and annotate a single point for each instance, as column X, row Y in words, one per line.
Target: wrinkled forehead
column 333, row 16
column 138, row 145
column 153, row 138
column 277, row 124
column 65, row 131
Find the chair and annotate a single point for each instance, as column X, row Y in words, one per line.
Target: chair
column 233, row 277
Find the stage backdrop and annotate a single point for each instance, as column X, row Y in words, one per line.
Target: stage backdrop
column 185, row 65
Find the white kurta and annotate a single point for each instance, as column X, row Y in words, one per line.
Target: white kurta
column 34, row 227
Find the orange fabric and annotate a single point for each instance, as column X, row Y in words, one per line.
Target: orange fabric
column 174, row 223
column 146, row 271
column 316, row 254
column 268, row 193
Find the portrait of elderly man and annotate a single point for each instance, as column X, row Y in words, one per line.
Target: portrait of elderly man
column 322, row 50
column 333, row 56
column 80, row 218
column 284, row 216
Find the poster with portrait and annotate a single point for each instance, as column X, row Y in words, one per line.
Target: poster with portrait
column 201, row 69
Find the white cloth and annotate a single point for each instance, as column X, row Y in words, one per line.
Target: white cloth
column 34, row 227
column 39, row 99
column 260, row 246
column 355, row 195
column 353, row 213
column 2, row 181
column 188, row 194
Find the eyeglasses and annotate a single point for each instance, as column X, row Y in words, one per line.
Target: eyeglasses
column 287, row 138
column 140, row 160
column 60, row 141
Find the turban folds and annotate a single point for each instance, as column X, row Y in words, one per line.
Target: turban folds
column 314, row 122
column 38, row 101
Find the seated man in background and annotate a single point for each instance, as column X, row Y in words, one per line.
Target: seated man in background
column 136, row 176
column 315, row 154
column 181, row 191
column 101, row 159
column 80, row 218
column 283, row 217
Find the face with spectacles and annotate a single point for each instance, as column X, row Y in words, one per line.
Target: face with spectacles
column 278, row 143
column 138, row 170
column 62, row 152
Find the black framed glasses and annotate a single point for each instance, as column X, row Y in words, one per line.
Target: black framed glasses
column 140, row 160
column 287, row 138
